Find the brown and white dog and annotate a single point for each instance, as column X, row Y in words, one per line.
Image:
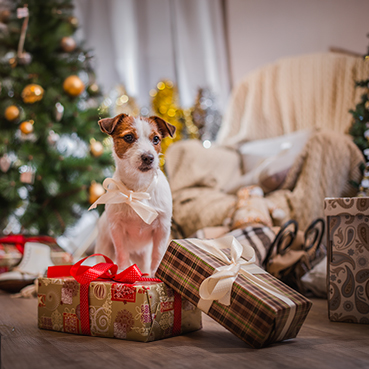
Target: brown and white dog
column 123, row 235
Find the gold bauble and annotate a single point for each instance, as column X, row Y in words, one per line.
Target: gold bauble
column 73, row 85
column 13, row 62
column 4, row 16
column 95, row 191
column 11, row 113
column 96, row 148
column 68, row 44
column 73, row 21
column 93, row 89
column 32, row 93
column 26, row 127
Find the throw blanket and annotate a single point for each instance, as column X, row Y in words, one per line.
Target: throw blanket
column 325, row 168
column 308, row 91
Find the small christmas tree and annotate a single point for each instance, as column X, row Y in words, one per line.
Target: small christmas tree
column 360, row 130
column 51, row 147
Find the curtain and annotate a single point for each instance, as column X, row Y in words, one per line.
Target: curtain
column 138, row 43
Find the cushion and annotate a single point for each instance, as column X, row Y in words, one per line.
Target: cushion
column 266, row 162
column 189, row 164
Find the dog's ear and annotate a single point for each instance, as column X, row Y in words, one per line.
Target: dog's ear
column 165, row 128
column 107, row 125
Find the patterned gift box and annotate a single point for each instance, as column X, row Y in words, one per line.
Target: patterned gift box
column 260, row 309
column 140, row 311
column 348, row 259
column 11, row 251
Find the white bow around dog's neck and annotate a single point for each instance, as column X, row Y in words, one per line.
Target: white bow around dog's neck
column 117, row 193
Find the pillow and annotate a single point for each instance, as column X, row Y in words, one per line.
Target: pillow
column 189, row 164
column 266, row 162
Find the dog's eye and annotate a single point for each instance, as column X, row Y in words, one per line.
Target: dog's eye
column 156, row 140
column 128, row 138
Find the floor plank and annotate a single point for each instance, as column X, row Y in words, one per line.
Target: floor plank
column 320, row 344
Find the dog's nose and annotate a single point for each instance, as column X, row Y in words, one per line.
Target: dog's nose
column 147, row 158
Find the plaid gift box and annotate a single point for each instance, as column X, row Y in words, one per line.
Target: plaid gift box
column 144, row 311
column 242, row 297
column 348, row 259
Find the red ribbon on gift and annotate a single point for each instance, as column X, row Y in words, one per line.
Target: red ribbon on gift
column 19, row 240
column 84, row 275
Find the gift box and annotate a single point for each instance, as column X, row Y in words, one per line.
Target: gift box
column 221, row 278
column 141, row 309
column 348, row 259
column 11, row 250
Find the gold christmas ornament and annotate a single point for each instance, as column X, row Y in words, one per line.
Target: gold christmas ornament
column 68, row 44
column 95, row 191
column 13, row 62
column 4, row 16
column 73, row 21
column 96, row 148
column 26, row 127
column 32, row 93
column 93, row 89
column 11, row 113
column 73, row 86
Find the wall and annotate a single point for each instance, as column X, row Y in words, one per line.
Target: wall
column 261, row 31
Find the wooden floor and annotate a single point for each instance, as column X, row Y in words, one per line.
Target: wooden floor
column 320, row 344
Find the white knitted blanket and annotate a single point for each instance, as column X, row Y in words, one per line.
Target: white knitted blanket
column 308, row 91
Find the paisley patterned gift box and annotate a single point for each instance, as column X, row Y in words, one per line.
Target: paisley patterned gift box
column 141, row 311
column 348, row 259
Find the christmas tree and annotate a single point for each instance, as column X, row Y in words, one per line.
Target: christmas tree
column 360, row 129
column 52, row 153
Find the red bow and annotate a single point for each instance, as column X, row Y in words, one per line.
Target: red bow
column 84, row 275
column 19, row 240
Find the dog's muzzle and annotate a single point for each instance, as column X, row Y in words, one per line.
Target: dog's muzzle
column 146, row 162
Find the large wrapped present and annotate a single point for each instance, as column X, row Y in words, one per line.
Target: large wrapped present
column 12, row 247
column 348, row 259
column 97, row 301
column 221, row 278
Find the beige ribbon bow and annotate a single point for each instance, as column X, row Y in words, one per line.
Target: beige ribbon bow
column 218, row 286
column 117, row 193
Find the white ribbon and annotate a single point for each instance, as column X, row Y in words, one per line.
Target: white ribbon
column 117, row 193
column 218, row 286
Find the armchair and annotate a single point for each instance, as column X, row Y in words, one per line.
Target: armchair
column 310, row 92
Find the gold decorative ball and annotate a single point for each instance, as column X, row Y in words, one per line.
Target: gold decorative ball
column 13, row 62
column 96, row 148
column 4, row 16
column 95, row 191
column 73, row 86
column 32, row 93
column 68, row 44
column 11, row 113
column 93, row 89
column 73, row 21
column 26, row 127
